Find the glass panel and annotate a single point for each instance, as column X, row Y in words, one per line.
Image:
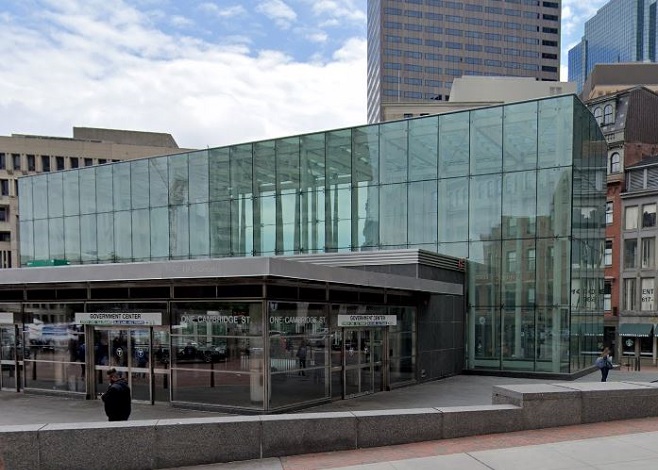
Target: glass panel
column 365, row 155
column 453, row 209
column 121, row 186
column 158, row 182
column 41, row 239
column 287, row 165
column 242, row 228
column 648, row 215
column 338, row 229
column 487, row 337
column 104, row 197
column 485, row 279
column 553, row 202
column 141, row 235
column 56, row 238
column 25, row 199
column 105, row 234
column 56, row 195
column 71, row 188
column 265, row 219
column 555, row 134
column 72, row 238
column 453, row 139
column 27, row 241
column 87, row 191
column 219, row 174
column 241, row 166
column 139, row 187
column 519, row 204
column 486, row 140
column 217, row 355
column 288, row 206
column 393, row 216
column 423, row 148
column 393, row 152
column 367, row 204
column 630, row 302
column 123, row 235
column 88, row 238
column 159, row 233
column 485, row 207
column 40, row 195
column 179, row 232
column 264, row 172
column 422, row 212
column 178, row 180
column 198, row 176
column 199, row 230
column 520, row 137
column 220, row 227
column 312, row 161
column 56, row 349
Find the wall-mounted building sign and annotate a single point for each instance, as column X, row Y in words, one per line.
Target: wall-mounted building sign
column 119, row 318
column 367, row 320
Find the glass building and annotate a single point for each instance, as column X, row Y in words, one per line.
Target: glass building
column 518, row 190
column 621, row 31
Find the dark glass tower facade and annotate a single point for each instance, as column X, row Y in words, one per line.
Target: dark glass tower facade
column 621, row 31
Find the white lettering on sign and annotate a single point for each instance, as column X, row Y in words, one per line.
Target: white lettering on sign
column 119, row 318
column 297, row 320
column 367, row 320
column 214, row 317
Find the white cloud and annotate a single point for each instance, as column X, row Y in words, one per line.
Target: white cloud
column 107, row 67
column 318, row 36
column 278, row 11
column 181, row 21
column 345, row 10
column 222, row 12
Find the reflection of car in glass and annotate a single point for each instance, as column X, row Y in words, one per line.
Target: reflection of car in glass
column 209, row 352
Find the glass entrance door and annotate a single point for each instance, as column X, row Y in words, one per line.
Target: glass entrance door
column 129, row 352
column 9, row 348
column 362, row 356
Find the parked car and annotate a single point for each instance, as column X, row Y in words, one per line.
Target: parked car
column 208, row 352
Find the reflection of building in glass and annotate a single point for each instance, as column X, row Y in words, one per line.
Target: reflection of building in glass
column 517, row 189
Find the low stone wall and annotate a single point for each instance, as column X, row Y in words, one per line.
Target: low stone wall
column 145, row 445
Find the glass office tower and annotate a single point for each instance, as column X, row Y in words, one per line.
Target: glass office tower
column 621, row 31
column 518, row 190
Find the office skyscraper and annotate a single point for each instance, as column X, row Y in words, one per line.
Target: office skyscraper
column 417, row 47
column 621, row 31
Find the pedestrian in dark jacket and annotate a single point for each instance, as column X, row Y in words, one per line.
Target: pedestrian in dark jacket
column 117, row 397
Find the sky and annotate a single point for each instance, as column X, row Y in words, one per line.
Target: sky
column 210, row 72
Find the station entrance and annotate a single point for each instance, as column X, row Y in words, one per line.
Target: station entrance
column 140, row 355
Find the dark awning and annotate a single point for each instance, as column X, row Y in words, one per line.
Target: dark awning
column 591, row 329
column 641, row 330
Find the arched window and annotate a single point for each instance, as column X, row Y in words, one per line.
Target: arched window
column 615, row 163
column 598, row 115
column 607, row 114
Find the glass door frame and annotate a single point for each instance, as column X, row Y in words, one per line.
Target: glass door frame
column 364, row 350
column 16, row 359
column 100, row 370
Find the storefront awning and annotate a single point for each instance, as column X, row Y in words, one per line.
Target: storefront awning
column 640, row 330
column 591, row 329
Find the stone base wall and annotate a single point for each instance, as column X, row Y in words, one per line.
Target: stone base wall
column 143, row 445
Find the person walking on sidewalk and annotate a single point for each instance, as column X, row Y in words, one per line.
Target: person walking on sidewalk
column 117, row 397
column 604, row 363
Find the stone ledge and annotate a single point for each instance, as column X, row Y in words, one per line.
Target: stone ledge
column 153, row 444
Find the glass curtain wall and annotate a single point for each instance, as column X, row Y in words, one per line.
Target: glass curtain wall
column 505, row 187
column 217, row 353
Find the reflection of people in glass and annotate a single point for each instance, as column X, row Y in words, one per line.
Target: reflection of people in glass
column 301, row 355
